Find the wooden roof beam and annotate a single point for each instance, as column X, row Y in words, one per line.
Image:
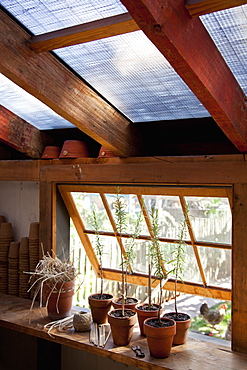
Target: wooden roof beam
column 200, row 7
column 186, row 44
column 46, row 78
column 99, row 29
column 21, row 135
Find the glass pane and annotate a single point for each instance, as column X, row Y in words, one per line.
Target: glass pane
column 169, row 212
column 211, row 219
column 131, row 208
column 85, row 203
column 190, row 270
column 217, row 266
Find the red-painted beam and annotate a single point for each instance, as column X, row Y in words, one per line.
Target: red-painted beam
column 186, row 44
column 20, row 135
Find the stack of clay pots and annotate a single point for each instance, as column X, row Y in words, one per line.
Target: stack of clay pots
column 6, row 237
column 23, row 268
column 33, row 245
column 13, row 268
column 33, row 251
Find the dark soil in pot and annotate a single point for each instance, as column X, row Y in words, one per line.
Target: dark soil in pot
column 177, row 317
column 162, row 324
column 128, row 300
column 118, row 313
column 102, row 296
column 146, row 307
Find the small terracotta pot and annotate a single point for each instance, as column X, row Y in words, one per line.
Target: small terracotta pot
column 105, row 153
column 74, row 149
column 51, row 152
column 58, row 299
column 182, row 327
column 100, row 307
column 118, row 305
column 145, row 314
column 122, row 327
column 160, row 338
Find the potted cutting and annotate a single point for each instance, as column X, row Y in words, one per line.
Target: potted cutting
column 123, row 318
column 54, row 280
column 158, row 330
column 150, row 309
column 183, row 320
column 129, row 254
column 100, row 303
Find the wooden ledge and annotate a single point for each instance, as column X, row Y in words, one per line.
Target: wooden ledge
column 15, row 314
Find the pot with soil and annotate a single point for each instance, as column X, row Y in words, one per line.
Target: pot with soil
column 122, row 326
column 160, row 334
column 183, row 323
column 129, row 302
column 183, row 320
column 100, row 305
column 145, row 311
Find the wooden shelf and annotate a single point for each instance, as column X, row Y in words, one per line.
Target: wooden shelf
column 15, row 315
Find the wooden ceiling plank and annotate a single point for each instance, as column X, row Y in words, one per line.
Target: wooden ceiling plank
column 186, row 44
column 46, row 78
column 91, row 31
column 21, row 135
column 201, row 7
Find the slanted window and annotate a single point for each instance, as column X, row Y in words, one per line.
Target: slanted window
column 207, row 269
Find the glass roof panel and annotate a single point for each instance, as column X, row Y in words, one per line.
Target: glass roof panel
column 133, row 75
column 28, row 107
column 41, row 16
column 127, row 69
column 228, row 29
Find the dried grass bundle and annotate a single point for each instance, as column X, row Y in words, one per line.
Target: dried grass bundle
column 51, row 271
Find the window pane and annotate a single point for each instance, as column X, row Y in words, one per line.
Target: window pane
column 211, row 219
column 217, row 266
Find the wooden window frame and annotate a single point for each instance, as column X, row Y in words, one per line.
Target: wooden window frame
column 203, row 288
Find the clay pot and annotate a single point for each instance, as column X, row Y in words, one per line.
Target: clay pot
column 122, row 327
column 105, row 153
column 183, row 324
column 51, row 152
column 117, row 303
column 58, row 299
column 160, row 338
column 145, row 314
column 100, row 307
column 74, row 149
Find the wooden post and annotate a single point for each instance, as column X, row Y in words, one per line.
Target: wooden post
column 239, row 271
column 47, row 216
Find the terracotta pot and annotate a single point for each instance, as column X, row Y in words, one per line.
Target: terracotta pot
column 117, row 305
column 100, row 307
column 104, row 152
column 58, row 299
column 74, row 149
column 145, row 314
column 182, row 326
column 51, row 152
column 122, row 327
column 160, row 338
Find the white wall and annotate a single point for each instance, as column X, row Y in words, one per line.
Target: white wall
column 19, row 203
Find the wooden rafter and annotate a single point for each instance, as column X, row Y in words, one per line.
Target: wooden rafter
column 20, row 135
column 200, row 7
column 47, row 79
column 99, row 29
column 186, row 44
